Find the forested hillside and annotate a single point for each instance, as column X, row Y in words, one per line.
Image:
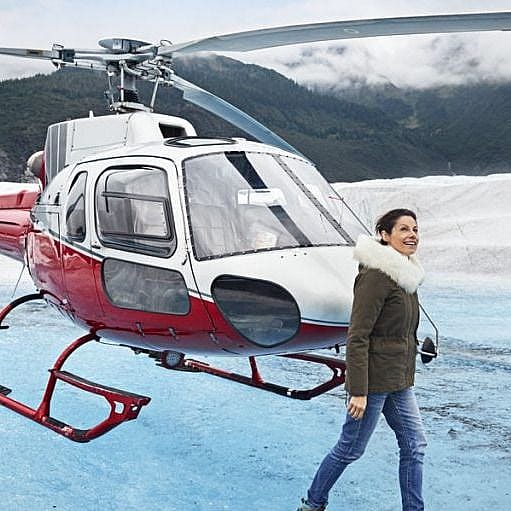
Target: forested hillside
column 359, row 134
column 468, row 126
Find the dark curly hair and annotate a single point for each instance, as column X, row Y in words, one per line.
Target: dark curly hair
column 387, row 221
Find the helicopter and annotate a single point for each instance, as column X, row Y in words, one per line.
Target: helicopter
column 154, row 238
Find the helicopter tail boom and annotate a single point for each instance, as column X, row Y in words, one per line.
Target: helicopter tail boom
column 16, row 201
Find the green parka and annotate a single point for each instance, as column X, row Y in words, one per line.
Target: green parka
column 382, row 338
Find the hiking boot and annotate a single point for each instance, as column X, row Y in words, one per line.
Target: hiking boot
column 306, row 507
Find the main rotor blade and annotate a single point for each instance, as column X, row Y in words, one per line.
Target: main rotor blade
column 72, row 55
column 354, row 29
column 29, row 53
column 230, row 113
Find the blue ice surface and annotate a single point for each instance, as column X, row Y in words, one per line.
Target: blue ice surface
column 204, row 443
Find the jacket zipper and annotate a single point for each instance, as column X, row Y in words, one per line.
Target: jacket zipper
column 411, row 322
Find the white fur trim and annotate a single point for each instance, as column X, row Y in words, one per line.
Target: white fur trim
column 407, row 272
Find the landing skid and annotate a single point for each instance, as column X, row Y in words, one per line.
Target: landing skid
column 124, row 406
column 338, row 368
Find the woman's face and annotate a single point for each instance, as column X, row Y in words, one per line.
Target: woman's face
column 404, row 236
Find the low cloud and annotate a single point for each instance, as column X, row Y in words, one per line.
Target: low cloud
column 23, row 68
column 418, row 61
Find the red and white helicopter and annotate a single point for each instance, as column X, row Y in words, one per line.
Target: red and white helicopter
column 152, row 237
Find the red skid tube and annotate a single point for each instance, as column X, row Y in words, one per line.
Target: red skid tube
column 129, row 404
column 338, row 368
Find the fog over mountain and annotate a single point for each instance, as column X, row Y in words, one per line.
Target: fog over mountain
column 418, row 62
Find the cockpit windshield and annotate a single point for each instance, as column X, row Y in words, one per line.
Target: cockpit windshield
column 241, row 202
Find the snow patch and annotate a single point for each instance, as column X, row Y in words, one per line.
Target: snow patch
column 464, row 221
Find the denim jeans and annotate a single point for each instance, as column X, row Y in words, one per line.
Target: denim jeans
column 402, row 414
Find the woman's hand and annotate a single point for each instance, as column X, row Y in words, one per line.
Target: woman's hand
column 357, row 406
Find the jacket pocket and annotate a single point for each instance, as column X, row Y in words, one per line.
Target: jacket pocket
column 390, row 345
column 387, row 362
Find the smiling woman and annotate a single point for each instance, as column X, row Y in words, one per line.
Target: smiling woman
column 380, row 356
column 398, row 228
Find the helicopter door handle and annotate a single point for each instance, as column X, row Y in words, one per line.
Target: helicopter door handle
column 95, row 245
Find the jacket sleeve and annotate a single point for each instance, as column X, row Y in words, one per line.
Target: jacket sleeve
column 370, row 293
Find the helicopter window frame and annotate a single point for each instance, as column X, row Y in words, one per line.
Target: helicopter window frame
column 151, row 244
column 76, row 193
column 198, row 141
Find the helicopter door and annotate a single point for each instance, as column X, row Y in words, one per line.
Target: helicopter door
column 77, row 263
column 139, row 232
column 44, row 251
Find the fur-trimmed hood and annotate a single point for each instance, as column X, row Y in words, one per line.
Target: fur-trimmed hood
column 406, row 272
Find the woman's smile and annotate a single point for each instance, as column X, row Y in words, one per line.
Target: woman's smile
column 404, row 236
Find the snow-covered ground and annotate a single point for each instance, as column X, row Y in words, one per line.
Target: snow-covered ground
column 465, row 221
column 209, row 444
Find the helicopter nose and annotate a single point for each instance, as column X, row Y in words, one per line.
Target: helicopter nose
column 287, row 293
column 324, row 292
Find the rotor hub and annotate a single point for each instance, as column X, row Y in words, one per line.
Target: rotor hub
column 121, row 45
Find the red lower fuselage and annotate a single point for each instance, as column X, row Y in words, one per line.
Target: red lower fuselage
column 72, row 281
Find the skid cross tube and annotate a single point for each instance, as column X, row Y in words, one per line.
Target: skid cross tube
column 338, row 368
column 124, row 406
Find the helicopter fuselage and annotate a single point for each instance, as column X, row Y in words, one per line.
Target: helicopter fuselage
column 216, row 246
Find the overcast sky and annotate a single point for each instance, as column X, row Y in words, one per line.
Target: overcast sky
column 405, row 61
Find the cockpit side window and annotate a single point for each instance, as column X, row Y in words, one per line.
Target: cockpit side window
column 134, row 212
column 75, row 208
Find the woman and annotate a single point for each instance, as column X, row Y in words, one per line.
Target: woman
column 380, row 359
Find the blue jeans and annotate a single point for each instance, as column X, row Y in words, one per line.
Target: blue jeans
column 402, row 414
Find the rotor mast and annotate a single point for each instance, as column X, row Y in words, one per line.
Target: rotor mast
column 131, row 60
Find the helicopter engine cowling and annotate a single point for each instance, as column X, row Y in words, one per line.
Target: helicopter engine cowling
column 35, row 165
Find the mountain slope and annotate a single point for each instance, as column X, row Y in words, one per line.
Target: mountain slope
column 367, row 134
column 466, row 126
